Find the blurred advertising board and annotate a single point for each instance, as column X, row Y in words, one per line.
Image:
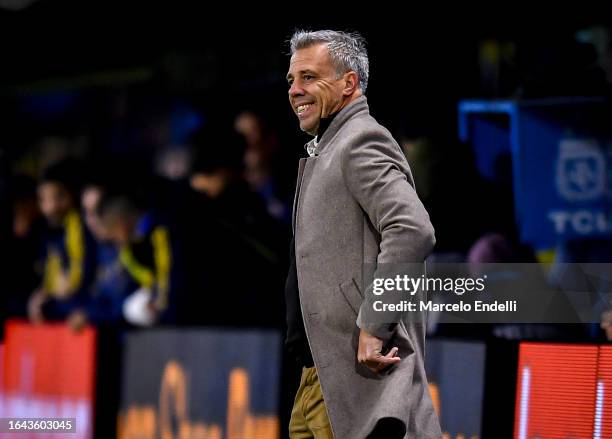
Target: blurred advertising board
column 200, row 384
column 456, row 374
column 49, row 373
column 564, row 391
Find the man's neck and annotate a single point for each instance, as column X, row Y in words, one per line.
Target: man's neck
column 325, row 122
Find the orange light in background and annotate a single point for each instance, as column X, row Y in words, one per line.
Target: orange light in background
column 434, row 391
column 142, row 422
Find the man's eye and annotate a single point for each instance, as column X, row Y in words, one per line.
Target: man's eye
column 290, row 82
column 308, row 77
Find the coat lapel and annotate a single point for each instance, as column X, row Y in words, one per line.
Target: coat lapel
column 301, row 166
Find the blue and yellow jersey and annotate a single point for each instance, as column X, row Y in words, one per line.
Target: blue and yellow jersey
column 69, row 259
column 111, row 286
column 149, row 259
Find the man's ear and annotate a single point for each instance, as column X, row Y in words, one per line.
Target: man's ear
column 351, row 83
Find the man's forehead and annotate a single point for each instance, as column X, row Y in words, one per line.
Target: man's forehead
column 312, row 56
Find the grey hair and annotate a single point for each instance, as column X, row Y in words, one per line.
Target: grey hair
column 347, row 51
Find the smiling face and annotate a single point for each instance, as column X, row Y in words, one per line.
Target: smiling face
column 315, row 89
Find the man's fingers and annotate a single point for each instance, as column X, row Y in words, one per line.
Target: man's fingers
column 379, row 362
column 392, row 353
column 376, row 356
column 388, row 360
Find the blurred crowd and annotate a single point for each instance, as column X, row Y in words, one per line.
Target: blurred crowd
column 198, row 237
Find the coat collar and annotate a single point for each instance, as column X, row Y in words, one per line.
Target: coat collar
column 359, row 105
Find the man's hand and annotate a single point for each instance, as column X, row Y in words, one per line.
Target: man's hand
column 35, row 304
column 370, row 353
column 77, row 320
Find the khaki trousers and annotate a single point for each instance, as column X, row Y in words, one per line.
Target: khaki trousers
column 309, row 416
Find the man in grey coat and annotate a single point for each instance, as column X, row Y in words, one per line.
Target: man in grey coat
column 355, row 205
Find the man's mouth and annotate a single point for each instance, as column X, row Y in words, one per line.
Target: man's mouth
column 302, row 109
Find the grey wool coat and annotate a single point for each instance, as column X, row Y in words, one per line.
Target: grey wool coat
column 355, row 203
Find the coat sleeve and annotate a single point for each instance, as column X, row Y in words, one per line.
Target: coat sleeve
column 377, row 175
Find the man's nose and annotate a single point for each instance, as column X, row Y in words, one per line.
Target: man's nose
column 295, row 90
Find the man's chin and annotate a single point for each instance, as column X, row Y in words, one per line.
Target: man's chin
column 309, row 129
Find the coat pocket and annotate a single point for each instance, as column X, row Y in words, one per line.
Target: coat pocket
column 352, row 295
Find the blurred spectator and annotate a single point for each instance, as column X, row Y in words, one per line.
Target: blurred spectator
column 173, row 163
column 26, row 213
column 570, row 268
column 495, row 248
column 260, row 161
column 497, row 254
column 600, row 38
column 497, row 65
column 112, row 283
column 235, row 245
column 217, row 175
column 21, row 248
column 68, row 255
column 559, row 65
column 90, row 200
column 218, row 162
column 145, row 251
column 434, row 163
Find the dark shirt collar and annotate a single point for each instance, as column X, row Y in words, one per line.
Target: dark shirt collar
column 324, row 124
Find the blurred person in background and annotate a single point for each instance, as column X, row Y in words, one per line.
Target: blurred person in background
column 21, row 248
column 261, row 159
column 145, row 251
column 236, row 272
column 104, row 305
column 435, row 160
column 68, row 255
column 580, row 267
column 112, row 283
